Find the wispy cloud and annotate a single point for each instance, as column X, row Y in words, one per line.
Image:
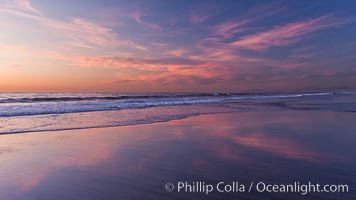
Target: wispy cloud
column 137, row 62
column 203, row 12
column 199, row 17
column 22, row 6
column 78, row 32
column 84, row 33
column 287, row 34
column 138, row 15
column 229, row 28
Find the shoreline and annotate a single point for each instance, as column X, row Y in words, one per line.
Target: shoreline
column 103, row 127
column 127, row 117
column 147, row 115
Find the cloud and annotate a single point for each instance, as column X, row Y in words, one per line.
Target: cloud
column 139, row 62
column 78, row 32
column 23, row 6
column 178, row 52
column 201, row 64
column 157, row 70
column 137, row 16
column 229, row 28
column 287, row 34
column 84, row 33
column 202, row 13
column 199, row 17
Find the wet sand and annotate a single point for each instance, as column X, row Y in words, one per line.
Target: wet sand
column 135, row 162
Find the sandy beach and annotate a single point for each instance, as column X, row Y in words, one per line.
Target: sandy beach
column 135, row 162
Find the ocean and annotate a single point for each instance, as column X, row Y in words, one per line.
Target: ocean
column 29, row 112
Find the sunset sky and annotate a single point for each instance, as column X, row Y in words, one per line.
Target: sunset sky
column 177, row 46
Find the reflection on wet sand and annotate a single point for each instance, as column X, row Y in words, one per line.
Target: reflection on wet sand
column 135, row 161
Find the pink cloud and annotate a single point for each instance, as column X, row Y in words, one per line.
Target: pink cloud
column 156, row 70
column 178, row 52
column 138, row 62
column 86, row 33
column 201, row 15
column 202, row 12
column 77, row 32
column 199, row 18
column 287, row 34
column 27, row 6
column 137, row 16
column 229, row 28
column 22, row 5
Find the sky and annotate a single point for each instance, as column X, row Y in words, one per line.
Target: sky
column 177, row 46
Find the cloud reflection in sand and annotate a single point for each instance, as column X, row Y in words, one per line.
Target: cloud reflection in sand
column 194, row 145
